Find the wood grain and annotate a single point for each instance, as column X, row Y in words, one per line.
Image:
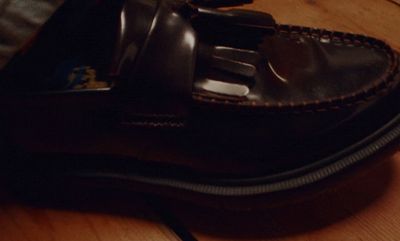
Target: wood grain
column 92, row 218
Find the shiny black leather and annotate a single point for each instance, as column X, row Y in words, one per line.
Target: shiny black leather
column 165, row 30
column 305, row 69
column 214, row 93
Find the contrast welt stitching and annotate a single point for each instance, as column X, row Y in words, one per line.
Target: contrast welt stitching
column 380, row 87
column 152, row 124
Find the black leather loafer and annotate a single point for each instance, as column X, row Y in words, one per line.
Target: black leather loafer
column 169, row 95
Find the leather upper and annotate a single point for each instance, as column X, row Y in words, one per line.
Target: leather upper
column 203, row 81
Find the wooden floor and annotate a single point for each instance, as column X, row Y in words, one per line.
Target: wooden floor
column 363, row 204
